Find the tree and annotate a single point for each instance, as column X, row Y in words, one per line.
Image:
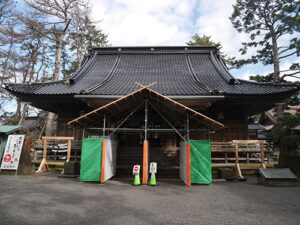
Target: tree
column 203, row 40
column 206, row 41
column 293, row 100
column 268, row 23
column 55, row 28
column 284, row 135
column 6, row 10
column 84, row 34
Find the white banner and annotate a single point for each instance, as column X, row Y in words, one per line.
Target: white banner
column 13, row 149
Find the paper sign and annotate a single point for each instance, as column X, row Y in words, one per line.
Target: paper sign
column 153, row 167
column 136, row 170
column 12, row 153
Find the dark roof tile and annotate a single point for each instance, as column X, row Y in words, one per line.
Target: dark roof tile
column 177, row 70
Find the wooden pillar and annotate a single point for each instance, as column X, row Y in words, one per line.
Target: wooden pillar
column 45, row 149
column 262, row 155
column 237, row 171
column 69, row 150
column 188, row 164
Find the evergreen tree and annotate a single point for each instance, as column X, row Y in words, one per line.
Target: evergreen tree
column 203, row 40
column 268, row 22
column 207, row 41
column 84, row 35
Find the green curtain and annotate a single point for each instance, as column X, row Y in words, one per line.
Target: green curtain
column 91, row 159
column 200, row 161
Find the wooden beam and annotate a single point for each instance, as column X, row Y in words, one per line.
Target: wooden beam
column 249, row 141
column 57, row 138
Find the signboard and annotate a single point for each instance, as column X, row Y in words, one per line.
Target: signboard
column 153, row 167
column 12, row 153
column 136, row 170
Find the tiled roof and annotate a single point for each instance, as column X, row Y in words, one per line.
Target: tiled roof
column 178, row 71
column 255, row 126
column 7, row 129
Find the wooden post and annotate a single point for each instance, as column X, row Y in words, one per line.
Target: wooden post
column 237, row 171
column 69, row 150
column 226, row 158
column 248, row 161
column 45, row 150
column 262, row 155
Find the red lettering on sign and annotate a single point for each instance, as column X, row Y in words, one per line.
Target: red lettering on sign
column 7, row 158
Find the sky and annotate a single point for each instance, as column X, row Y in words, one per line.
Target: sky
column 173, row 22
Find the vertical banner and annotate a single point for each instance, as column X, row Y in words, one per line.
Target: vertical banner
column 12, row 152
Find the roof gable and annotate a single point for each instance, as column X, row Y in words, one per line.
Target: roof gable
column 135, row 99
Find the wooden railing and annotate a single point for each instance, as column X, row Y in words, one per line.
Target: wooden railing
column 44, row 166
column 224, row 152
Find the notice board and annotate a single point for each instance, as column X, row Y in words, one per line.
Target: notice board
column 12, row 152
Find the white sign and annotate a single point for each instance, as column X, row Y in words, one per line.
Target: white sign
column 136, row 170
column 153, row 167
column 12, row 153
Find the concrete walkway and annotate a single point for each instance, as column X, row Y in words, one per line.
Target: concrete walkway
column 47, row 199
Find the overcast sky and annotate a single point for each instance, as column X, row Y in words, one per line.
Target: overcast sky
column 173, row 22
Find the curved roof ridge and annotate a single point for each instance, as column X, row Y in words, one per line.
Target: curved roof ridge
column 296, row 84
column 152, row 48
column 192, row 73
column 110, row 75
column 222, row 63
column 84, row 67
column 8, row 85
column 227, row 77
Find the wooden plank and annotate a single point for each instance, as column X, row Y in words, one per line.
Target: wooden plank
column 58, row 138
column 57, row 163
column 248, row 141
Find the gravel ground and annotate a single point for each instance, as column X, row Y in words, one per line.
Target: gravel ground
column 47, row 199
